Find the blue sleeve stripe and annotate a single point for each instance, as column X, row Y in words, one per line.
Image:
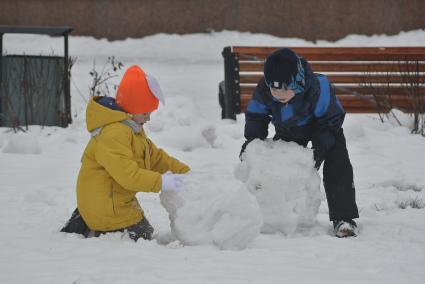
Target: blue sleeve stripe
column 323, row 102
column 257, row 107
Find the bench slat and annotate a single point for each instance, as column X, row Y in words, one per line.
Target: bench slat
column 401, row 101
column 338, row 53
column 368, row 103
column 344, row 67
column 364, row 100
column 340, row 90
column 348, row 79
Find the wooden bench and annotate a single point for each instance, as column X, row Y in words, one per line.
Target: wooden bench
column 366, row 79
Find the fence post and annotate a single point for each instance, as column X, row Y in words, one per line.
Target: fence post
column 66, row 84
column 1, row 76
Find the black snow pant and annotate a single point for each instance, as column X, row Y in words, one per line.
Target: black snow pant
column 76, row 224
column 338, row 181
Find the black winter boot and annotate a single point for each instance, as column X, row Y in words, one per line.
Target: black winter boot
column 76, row 224
column 345, row 228
column 143, row 229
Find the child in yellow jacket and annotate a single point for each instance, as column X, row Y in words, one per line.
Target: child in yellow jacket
column 120, row 160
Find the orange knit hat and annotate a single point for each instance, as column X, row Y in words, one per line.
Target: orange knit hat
column 133, row 94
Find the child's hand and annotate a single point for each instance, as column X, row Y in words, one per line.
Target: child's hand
column 172, row 182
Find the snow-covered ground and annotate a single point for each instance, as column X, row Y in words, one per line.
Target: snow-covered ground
column 38, row 172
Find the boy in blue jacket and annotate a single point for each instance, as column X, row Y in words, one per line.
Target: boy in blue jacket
column 303, row 107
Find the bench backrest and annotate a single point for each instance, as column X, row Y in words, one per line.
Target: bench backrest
column 366, row 79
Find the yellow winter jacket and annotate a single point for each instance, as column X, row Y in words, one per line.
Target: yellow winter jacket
column 117, row 163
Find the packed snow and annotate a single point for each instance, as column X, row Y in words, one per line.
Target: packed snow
column 38, row 171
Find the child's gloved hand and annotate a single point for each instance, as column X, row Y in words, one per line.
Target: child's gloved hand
column 172, row 182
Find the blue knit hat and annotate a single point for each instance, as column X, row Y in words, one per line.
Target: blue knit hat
column 283, row 70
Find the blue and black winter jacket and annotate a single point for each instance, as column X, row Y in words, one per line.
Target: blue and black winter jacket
column 314, row 115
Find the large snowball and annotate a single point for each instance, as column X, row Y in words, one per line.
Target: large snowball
column 213, row 210
column 282, row 177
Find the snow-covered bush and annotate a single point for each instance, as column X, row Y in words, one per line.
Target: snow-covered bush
column 282, row 177
column 412, row 202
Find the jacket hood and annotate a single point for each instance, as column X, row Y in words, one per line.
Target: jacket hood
column 308, row 75
column 98, row 115
column 304, row 102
